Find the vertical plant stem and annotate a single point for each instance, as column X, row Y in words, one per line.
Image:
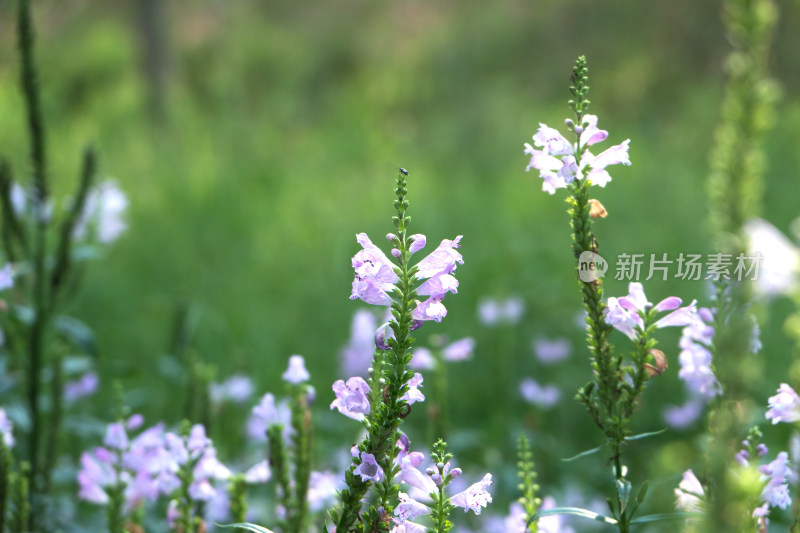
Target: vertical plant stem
column 40, row 188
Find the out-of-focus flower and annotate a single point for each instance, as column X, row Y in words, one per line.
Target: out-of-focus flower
column 258, row 473
column 492, row 312
column 356, row 357
column 689, row 494
column 544, row 396
column 553, row 523
column 784, row 406
column 296, row 373
column 103, row 213
column 237, row 389
column 86, row 385
column 777, row 474
column 550, row 351
column 323, row 490
column 556, row 160
column 459, row 350
column 422, row 359
column 695, row 357
column 683, row 416
column 352, row 398
column 6, row 277
column 780, row 258
column 267, row 413
column 6, row 429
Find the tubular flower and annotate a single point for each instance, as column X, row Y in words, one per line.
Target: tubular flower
column 555, row 157
column 625, row 313
column 376, row 275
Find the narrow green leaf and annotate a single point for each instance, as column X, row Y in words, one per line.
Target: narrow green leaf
column 645, row 435
column 248, row 526
column 576, row 511
column 666, row 516
column 583, row 454
column 76, row 332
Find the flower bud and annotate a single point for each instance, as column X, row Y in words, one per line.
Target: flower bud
column 596, row 209
column 454, row 473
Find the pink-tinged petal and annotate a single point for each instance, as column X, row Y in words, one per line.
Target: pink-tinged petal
column 475, row 497
column 591, row 134
column 370, row 293
column 408, row 509
column 599, row 177
column 438, row 286
column 569, row 169
column 552, row 141
column 430, row 309
column 680, row 317
column 417, row 243
column 443, row 260
column 636, row 295
column 614, row 155
column 417, row 479
column 542, row 161
column 668, row 304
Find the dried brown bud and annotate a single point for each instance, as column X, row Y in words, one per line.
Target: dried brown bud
column 596, row 209
column 660, row 361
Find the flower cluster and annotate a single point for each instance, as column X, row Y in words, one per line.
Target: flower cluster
column 352, row 396
column 695, row 357
column 375, row 275
column 784, row 406
column 556, row 161
column 626, row 314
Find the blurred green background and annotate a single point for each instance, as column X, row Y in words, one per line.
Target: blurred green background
column 256, row 138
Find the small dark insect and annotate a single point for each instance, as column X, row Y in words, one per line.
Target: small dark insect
column 403, row 171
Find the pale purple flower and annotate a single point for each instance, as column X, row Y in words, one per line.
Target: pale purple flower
column 356, row 357
column 543, row 396
column 6, row 277
column 237, row 389
column 689, row 493
column 103, row 213
column 624, row 313
column 79, row 388
column 258, row 473
column 459, row 350
column 556, row 160
column 268, row 413
column 430, row 309
column 476, row 497
column 779, row 258
column 422, row 359
column 515, row 522
column 553, row 523
column 95, row 476
column 492, row 312
column 777, row 474
column 413, row 394
column 695, row 357
column 409, row 527
column 6, row 429
column 352, row 398
column 411, row 475
column 369, row 469
column 683, row 416
column 375, row 276
column 551, row 351
column 116, row 436
column 409, row 509
column 784, row 406
column 323, row 490
column 296, row 373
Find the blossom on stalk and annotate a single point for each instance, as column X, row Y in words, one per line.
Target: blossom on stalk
column 369, row 469
column 103, row 213
column 237, row 389
column 296, row 373
column 268, row 413
column 777, row 474
column 356, row 357
column 492, row 312
column 375, row 275
column 555, row 160
column 6, row 429
column 624, row 313
column 352, row 398
column 689, row 494
column 86, row 385
column 695, row 357
column 784, row 406
column 550, row 351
